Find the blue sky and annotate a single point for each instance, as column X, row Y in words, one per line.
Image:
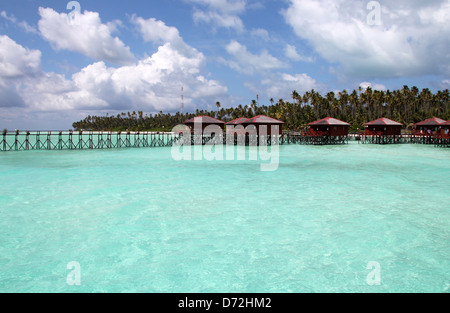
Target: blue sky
column 119, row 56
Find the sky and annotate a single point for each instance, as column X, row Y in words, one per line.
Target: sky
column 63, row 60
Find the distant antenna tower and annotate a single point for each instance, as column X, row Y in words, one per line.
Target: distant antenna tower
column 182, row 100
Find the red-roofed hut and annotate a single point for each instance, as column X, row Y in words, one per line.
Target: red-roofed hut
column 329, row 127
column 264, row 125
column 428, row 126
column 383, row 127
column 327, row 131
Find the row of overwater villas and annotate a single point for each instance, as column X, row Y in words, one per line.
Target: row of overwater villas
column 326, row 127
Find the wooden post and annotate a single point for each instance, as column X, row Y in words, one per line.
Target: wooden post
column 4, row 140
column 60, row 146
column 91, row 141
column 16, row 140
column 27, row 141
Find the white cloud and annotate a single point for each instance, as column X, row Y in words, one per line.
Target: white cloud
column 281, row 85
column 220, row 13
column 248, row 63
column 291, row 53
column 222, row 20
column 158, row 32
column 17, row 61
column 88, row 36
column 152, row 84
column 373, row 86
column 445, row 84
column 413, row 38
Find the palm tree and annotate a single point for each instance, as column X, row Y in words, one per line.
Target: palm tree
column 295, row 96
column 315, row 101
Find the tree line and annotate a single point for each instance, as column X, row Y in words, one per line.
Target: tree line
column 407, row 106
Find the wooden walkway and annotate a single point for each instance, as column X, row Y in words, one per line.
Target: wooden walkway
column 437, row 141
column 58, row 140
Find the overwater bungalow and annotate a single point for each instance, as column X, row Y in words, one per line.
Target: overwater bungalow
column 264, row 125
column 326, row 131
column 382, row 131
column 383, row 127
column 428, row 126
column 203, row 122
column 329, row 127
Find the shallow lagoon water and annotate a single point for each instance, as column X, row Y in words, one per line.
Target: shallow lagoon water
column 136, row 220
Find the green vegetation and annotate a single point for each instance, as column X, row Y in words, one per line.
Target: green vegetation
column 407, row 106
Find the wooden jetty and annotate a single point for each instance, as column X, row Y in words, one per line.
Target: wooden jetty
column 81, row 140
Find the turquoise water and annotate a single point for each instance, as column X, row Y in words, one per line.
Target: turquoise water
column 135, row 220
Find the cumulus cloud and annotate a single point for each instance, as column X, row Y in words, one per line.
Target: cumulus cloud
column 413, row 37
column 17, row 61
column 158, row 32
column 152, row 84
column 88, row 36
column 249, row 63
